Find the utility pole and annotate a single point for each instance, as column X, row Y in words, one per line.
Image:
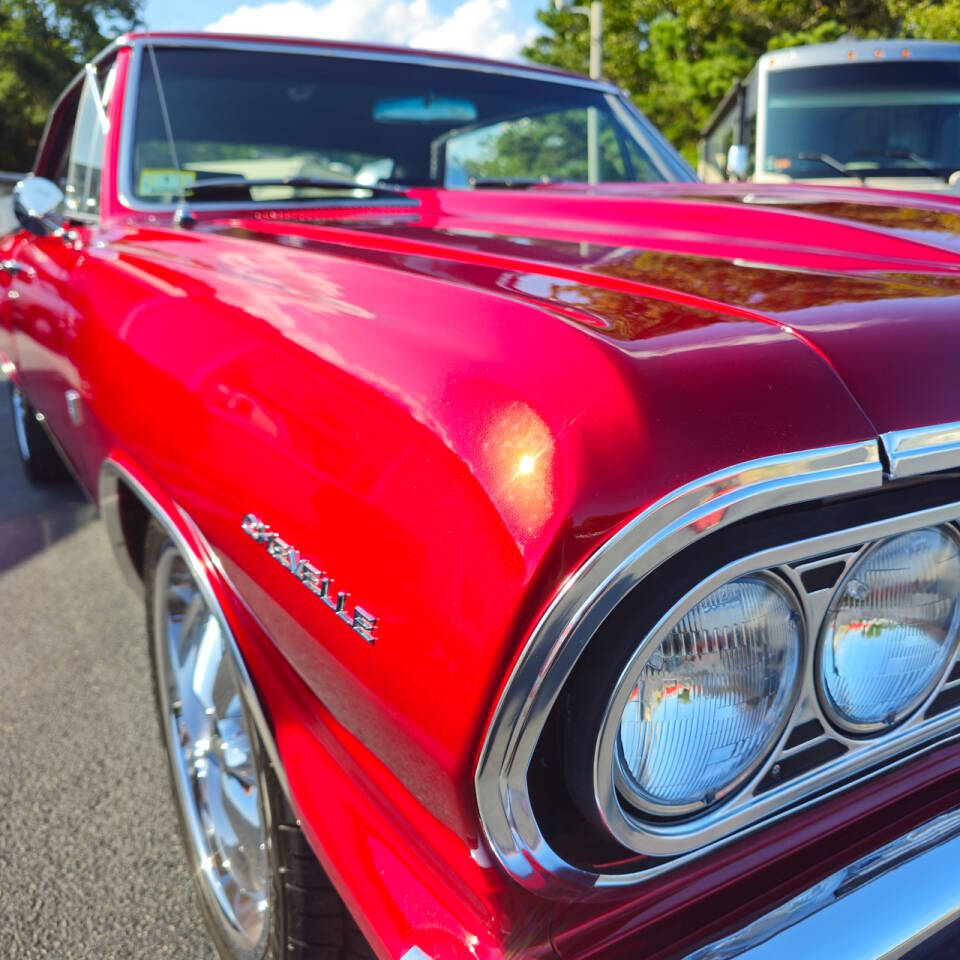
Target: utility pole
column 595, row 14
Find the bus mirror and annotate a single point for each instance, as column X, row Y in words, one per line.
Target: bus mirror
column 738, row 162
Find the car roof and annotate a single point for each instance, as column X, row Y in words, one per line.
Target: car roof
column 374, row 51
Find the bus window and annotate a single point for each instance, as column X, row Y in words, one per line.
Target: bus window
column 894, row 120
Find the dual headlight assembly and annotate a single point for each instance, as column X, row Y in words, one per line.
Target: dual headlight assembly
column 697, row 712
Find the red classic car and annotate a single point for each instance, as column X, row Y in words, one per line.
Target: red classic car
column 538, row 562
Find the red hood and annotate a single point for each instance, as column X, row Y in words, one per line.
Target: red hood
column 870, row 280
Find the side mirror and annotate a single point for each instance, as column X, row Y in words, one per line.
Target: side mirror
column 36, row 202
column 738, row 161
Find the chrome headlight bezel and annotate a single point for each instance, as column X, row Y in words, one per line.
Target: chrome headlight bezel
column 761, row 794
column 831, row 711
column 610, row 729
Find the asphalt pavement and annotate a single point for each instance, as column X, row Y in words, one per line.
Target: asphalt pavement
column 90, row 857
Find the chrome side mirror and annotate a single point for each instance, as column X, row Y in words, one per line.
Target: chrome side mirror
column 738, row 161
column 36, row 203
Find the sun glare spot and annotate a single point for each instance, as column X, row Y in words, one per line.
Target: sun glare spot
column 518, row 451
column 526, row 465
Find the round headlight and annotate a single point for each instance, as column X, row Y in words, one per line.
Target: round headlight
column 710, row 699
column 890, row 631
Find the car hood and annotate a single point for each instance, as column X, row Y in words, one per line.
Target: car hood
column 455, row 399
column 868, row 280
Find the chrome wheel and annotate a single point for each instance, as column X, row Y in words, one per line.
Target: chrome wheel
column 20, row 423
column 213, row 758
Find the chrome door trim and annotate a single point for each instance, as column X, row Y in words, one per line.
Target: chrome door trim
column 675, row 521
column 111, row 475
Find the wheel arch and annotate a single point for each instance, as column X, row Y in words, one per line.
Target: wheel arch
column 128, row 500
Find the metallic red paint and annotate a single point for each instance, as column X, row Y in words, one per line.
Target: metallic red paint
column 450, row 407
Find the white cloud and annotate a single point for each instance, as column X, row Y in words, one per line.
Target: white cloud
column 483, row 27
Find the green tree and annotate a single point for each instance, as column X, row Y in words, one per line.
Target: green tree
column 678, row 58
column 931, row 21
column 42, row 46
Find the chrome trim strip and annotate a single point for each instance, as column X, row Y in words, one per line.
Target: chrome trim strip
column 111, row 473
column 672, row 523
column 882, row 905
column 922, row 450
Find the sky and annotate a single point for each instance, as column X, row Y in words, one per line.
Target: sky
column 492, row 28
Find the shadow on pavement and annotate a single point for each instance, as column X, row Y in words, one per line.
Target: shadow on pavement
column 31, row 518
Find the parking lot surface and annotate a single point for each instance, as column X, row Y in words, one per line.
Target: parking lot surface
column 90, row 859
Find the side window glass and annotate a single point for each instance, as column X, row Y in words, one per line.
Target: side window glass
column 643, row 167
column 85, row 162
column 713, row 165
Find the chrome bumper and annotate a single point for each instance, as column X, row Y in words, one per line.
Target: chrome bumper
column 881, row 906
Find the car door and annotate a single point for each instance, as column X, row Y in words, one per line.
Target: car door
column 42, row 315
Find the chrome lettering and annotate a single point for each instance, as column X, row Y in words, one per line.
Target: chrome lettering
column 364, row 623
column 254, row 527
column 312, row 577
column 309, row 576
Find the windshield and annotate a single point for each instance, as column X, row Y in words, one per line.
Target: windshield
column 894, row 119
column 244, row 115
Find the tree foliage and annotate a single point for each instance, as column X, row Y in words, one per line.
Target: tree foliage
column 42, row 46
column 678, row 58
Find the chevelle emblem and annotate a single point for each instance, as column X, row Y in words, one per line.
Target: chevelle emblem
column 312, row 577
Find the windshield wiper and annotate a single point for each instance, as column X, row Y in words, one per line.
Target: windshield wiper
column 508, row 183
column 324, row 183
column 831, row 162
column 903, row 154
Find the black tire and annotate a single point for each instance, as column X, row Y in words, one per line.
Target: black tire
column 40, row 459
column 307, row 918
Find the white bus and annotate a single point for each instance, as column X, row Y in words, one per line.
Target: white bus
column 878, row 113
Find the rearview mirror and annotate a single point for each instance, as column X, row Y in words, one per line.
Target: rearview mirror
column 429, row 109
column 738, row 161
column 36, row 202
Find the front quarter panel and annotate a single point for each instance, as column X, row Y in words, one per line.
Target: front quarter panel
column 445, row 453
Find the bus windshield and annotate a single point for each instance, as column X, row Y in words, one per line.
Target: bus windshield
column 890, row 119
